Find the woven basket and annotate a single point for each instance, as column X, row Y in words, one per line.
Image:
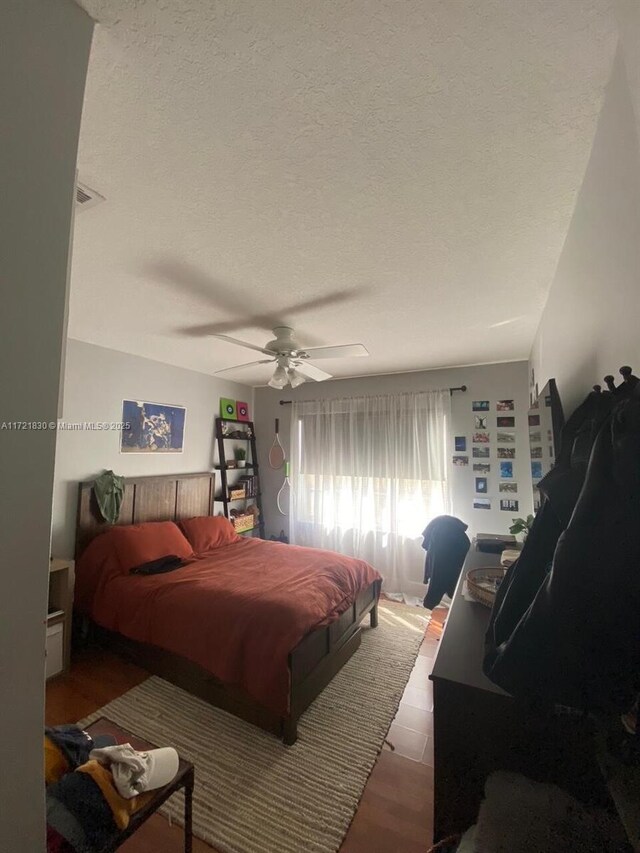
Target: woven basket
column 243, row 522
column 483, row 584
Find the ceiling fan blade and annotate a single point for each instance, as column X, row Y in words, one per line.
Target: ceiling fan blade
column 311, row 371
column 185, row 278
column 334, row 298
column 343, row 351
column 279, row 318
column 242, row 344
column 202, row 331
column 248, row 364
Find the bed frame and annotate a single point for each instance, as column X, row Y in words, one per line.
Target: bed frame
column 312, row 664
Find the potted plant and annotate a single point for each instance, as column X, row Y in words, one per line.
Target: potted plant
column 521, row 525
column 240, row 454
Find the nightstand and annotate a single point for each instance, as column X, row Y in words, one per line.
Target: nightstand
column 59, row 615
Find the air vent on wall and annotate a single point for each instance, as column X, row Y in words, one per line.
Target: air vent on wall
column 86, row 197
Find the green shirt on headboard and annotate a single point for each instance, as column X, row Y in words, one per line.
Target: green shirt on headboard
column 109, row 491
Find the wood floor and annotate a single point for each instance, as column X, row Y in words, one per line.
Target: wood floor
column 395, row 812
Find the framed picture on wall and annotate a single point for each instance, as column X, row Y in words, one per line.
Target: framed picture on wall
column 508, row 505
column 481, row 485
column 506, row 470
column 482, row 503
column 152, row 427
column 480, row 452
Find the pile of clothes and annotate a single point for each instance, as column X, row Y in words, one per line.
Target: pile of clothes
column 520, row 815
column 565, row 626
column 95, row 785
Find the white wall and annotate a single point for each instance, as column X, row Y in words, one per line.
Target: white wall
column 486, row 382
column 590, row 324
column 44, row 48
column 627, row 13
column 97, row 380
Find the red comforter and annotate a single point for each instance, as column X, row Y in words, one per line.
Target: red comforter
column 238, row 611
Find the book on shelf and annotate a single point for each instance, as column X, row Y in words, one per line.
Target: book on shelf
column 250, row 484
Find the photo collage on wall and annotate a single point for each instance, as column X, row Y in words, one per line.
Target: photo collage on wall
column 492, row 429
column 541, row 442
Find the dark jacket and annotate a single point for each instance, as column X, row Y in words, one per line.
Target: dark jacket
column 575, row 638
column 446, row 544
column 560, row 489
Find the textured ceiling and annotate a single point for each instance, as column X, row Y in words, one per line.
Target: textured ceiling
column 418, row 158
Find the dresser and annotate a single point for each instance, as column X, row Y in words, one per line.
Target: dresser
column 479, row 728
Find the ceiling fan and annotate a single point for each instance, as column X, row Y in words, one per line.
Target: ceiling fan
column 291, row 359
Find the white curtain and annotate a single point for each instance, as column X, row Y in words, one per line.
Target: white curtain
column 368, row 474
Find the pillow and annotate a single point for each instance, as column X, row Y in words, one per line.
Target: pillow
column 136, row 544
column 209, row 532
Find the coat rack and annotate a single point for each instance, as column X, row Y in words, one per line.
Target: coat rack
column 629, row 382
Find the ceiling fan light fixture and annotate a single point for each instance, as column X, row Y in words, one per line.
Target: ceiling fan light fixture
column 279, row 378
column 296, row 378
column 293, row 361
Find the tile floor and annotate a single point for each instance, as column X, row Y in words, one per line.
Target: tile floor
column 411, row 733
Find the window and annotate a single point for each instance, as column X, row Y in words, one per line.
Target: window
column 369, row 474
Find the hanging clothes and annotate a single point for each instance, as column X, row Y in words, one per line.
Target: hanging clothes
column 446, row 543
column 577, row 640
column 559, row 489
column 109, row 491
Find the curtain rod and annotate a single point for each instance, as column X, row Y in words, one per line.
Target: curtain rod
column 462, row 388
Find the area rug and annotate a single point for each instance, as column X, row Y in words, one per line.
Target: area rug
column 252, row 793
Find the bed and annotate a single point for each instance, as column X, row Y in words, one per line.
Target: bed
column 306, row 607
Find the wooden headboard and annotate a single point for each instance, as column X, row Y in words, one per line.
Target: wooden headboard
column 169, row 497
